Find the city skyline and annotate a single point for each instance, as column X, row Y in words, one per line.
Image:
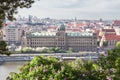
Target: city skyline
column 68, row 9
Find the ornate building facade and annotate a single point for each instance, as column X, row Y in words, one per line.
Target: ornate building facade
column 78, row 41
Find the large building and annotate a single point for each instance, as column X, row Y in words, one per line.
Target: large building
column 12, row 34
column 78, row 41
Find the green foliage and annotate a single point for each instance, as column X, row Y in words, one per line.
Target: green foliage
column 111, row 64
column 9, row 7
column 98, row 43
column 51, row 68
column 70, row 50
column 113, row 55
column 105, row 43
column 117, row 64
column 117, row 45
column 3, row 45
column 27, row 49
column 44, row 68
column 56, row 50
column 3, row 48
column 42, row 50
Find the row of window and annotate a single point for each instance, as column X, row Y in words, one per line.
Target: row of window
column 62, row 41
column 42, row 40
column 79, row 42
column 69, row 39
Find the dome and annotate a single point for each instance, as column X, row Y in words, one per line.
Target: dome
column 62, row 27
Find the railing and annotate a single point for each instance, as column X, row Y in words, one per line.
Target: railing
column 14, row 58
column 28, row 58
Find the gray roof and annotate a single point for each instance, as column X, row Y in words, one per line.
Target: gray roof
column 79, row 34
column 41, row 34
column 53, row 34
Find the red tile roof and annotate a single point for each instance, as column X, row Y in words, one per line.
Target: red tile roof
column 111, row 37
column 116, row 23
column 77, row 24
column 73, row 29
column 52, row 28
column 76, row 30
column 108, row 30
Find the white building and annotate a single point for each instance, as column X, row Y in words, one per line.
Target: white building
column 117, row 30
column 12, row 34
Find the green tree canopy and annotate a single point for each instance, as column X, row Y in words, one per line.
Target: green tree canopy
column 3, row 45
column 7, row 10
column 9, row 7
column 105, row 43
column 3, row 48
column 117, row 45
column 44, row 68
column 50, row 68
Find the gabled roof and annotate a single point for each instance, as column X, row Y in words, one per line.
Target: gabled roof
column 39, row 34
column 108, row 30
column 116, row 23
column 77, row 24
column 112, row 37
column 79, row 34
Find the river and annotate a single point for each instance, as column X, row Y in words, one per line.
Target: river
column 8, row 67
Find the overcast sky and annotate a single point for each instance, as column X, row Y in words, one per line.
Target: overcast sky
column 81, row 9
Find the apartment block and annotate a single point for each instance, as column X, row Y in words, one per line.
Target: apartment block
column 12, row 34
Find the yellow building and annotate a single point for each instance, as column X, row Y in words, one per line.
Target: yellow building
column 78, row 41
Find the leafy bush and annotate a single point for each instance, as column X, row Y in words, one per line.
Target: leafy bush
column 27, row 49
column 3, row 48
column 51, row 68
column 43, row 50
column 44, row 68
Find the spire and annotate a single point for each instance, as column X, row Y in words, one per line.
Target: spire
column 75, row 23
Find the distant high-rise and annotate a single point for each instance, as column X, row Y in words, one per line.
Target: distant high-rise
column 30, row 18
column 19, row 18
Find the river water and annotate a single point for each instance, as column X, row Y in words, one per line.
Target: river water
column 8, row 67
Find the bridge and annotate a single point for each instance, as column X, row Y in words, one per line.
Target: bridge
column 63, row 56
column 15, row 58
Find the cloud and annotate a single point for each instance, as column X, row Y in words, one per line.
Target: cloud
column 74, row 8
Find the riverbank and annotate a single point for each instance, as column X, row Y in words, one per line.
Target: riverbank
column 8, row 67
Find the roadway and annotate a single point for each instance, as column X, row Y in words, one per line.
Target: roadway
column 63, row 56
column 58, row 54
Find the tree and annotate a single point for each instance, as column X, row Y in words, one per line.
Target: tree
column 55, row 49
column 117, row 45
column 70, row 50
column 44, row 68
column 7, row 10
column 111, row 64
column 3, row 48
column 3, row 45
column 51, row 68
column 105, row 43
column 9, row 7
column 98, row 43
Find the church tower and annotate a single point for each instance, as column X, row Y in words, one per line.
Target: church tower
column 61, row 37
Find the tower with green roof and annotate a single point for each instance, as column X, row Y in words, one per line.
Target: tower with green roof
column 62, row 28
column 61, row 37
